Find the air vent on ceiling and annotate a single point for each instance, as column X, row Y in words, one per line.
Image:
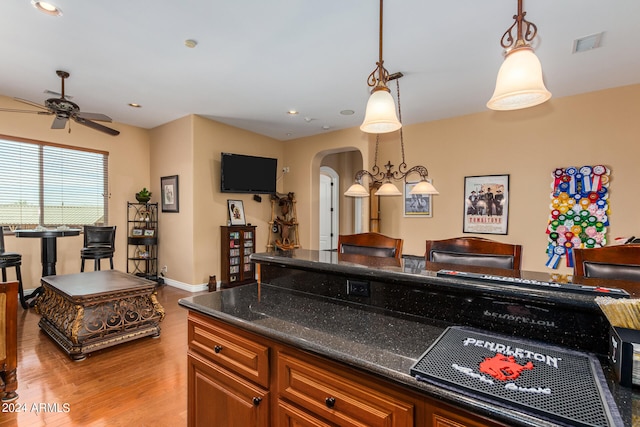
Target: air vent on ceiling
column 587, row 43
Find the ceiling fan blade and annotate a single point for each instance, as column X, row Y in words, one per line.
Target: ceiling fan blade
column 94, row 116
column 96, row 126
column 59, row 122
column 13, row 110
column 34, row 104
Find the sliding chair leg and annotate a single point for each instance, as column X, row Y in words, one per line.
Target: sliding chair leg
column 96, row 264
column 82, row 266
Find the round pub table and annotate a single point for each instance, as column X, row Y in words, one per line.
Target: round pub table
column 49, row 252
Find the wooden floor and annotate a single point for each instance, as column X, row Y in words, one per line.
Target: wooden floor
column 141, row 383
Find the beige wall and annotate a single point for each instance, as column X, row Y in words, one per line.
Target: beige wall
column 599, row 127
column 190, row 147
column 128, row 173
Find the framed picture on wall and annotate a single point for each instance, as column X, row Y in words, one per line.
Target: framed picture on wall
column 417, row 205
column 486, row 204
column 236, row 212
column 169, row 187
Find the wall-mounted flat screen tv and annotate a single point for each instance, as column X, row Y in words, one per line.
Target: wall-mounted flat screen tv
column 248, row 174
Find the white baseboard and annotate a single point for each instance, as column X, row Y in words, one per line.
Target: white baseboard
column 186, row 286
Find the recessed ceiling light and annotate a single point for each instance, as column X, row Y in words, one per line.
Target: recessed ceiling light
column 292, row 112
column 46, row 7
column 347, row 112
column 326, row 127
column 134, row 105
column 190, row 43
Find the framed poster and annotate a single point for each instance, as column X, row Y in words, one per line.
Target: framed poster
column 417, row 205
column 486, row 204
column 169, row 187
column 236, row 212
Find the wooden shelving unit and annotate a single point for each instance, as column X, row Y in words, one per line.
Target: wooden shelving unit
column 238, row 242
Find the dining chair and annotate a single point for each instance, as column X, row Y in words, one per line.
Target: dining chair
column 99, row 243
column 371, row 244
column 8, row 341
column 620, row 262
column 8, row 260
column 475, row 251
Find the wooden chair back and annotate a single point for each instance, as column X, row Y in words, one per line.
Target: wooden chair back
column 8, row 341
column 610, row 262
column 474, row 251
column 370, row 244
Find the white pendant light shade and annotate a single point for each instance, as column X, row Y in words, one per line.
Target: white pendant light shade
column 519, row 83
column 380, row 116
column 424, row 187
column 388, row 189
column 357, row 190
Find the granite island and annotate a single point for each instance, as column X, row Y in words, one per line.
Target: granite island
column 329, row 340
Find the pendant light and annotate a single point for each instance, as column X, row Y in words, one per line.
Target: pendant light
column 519, row 83
column 385, row 178
column 380, row 115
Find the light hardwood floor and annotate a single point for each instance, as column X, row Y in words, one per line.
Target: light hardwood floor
column 141, row 383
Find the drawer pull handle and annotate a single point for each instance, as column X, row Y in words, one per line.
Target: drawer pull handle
column 330, row 402
column 217, row 349
column 256, row 401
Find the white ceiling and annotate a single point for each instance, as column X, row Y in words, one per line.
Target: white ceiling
column 257, row 59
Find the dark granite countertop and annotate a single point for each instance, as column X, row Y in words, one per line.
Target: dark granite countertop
column 303, row 306
column 382, row 343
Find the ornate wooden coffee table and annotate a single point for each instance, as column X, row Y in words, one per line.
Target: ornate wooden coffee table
column 85, row 312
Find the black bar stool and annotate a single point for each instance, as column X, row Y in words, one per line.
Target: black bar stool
column 11, row 259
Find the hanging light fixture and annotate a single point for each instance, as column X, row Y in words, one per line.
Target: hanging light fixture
column 519, row 83
column 385, row 178
column 380, row 115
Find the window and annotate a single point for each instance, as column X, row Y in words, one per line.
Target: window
column 51, row 185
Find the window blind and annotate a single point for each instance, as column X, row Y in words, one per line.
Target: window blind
column 51, row 185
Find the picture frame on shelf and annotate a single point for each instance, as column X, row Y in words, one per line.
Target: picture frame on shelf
column 149, row 232
column 137, row 232
column 169, row 193
column 417, row 205
column 236, row 212
column 486, row 204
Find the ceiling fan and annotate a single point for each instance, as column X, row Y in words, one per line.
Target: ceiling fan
column 63, row 109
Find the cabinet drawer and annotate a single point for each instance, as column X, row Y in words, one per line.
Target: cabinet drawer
column 218, row 398
column 233, row 351
column 339, row 398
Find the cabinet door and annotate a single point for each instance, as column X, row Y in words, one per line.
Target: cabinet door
column 291, row 416
column 218, row 398
column 339, row 399
column 438, row 416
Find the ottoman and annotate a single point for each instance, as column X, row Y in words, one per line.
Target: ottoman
column 85, row 312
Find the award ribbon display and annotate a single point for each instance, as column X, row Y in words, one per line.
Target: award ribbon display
column 579, row 211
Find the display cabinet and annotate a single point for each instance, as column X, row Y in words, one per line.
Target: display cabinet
column 142, row 240
column 238, row 243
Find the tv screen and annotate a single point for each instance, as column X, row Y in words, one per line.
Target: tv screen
column 248, row 174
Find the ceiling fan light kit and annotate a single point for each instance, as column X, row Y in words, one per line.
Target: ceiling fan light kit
column 63, row 110
column 519, row 83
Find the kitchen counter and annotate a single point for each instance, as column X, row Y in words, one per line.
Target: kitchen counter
column 367, row 333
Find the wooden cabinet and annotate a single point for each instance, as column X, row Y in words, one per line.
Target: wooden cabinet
column 142, row 241
column 334, row 396
column 228, row 377
column 237, row 378
column 238, row 243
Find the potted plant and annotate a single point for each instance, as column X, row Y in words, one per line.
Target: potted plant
column 143, row 196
